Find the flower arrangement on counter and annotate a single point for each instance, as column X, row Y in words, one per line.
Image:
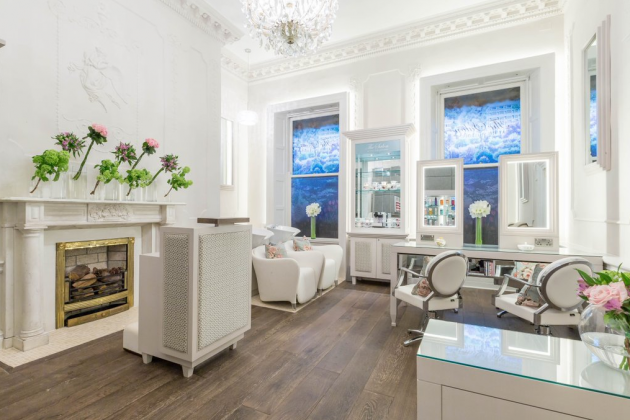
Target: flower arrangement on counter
column 610, row 291
column 52, row 163
column 478, row 210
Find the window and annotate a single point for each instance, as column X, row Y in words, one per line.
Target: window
column 315, row 150
column 227, row 153
column 479, row 125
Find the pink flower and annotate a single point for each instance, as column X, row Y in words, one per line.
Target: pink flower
column 602, row 294
column 152, row 143
column 101, row 129
column 613, row 305
column 582, row 286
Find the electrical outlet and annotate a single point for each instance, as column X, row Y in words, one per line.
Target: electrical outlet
column 543, row 242
column 430, row 238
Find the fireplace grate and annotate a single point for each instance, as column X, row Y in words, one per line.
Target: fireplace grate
column 103, row 286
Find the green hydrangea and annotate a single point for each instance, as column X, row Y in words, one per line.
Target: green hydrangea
column 108, row 171
column 137, row 178
column 51, row 163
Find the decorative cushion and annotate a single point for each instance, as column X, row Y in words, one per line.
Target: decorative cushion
column 275, row 251
column 302, row 244
column 524, row 270
column 530, row 296
column 421, row 288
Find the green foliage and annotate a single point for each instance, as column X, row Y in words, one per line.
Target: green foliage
column 108, row 171
column 587, row 278
column 51, row 163
column 138, row 178
column 178, row 179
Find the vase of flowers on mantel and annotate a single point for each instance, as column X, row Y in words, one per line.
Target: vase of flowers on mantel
column 478, row 210
column 605, row 323
column 313, row 210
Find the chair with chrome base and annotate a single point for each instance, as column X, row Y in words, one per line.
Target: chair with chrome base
column 445, row 276
column 557, row 285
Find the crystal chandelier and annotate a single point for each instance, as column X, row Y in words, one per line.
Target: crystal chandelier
column 291, row 28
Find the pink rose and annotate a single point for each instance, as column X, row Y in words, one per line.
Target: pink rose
column 101, row 129
column 152, row 143
column 601, row 295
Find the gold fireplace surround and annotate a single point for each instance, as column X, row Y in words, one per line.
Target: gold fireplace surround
column 62, row 307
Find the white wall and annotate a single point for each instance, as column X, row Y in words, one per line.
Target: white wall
column 233, row 100
column 600, row 203
column 396, row 76
column 137, row 67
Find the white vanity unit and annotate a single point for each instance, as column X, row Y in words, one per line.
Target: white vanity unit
column 381, row 201
column 195, row 295
column 478, row 373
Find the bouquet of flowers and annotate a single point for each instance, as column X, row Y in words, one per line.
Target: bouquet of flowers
column 125, row 152
column 610, row 290
column 98, row 134
column 70, row 143
column 149, row 147
column 480, row 208
column 313, row 210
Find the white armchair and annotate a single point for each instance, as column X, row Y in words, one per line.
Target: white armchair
column 292, row 279
column 557, row 285
column 331, row 257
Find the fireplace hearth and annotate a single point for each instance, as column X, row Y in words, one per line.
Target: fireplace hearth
column 94, row 280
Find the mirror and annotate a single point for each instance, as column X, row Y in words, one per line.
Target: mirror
column 439, row 196
column 528, row 194
column 590, row 98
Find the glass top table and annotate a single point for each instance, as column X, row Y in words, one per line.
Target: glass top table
column 542, row 358
column 539, row 250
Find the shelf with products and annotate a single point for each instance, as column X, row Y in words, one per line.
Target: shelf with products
column 439, row 210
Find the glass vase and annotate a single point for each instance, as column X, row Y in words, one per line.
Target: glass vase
column 609, row 340
column 478, row 231
column 150, row 193
column 313, row 236
column 77, row 189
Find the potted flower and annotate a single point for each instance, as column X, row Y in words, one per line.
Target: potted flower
column 313, row 210
column 51, row 163
column 605, row 324
column 98, row 135
column 478, row 210
column 178, row 180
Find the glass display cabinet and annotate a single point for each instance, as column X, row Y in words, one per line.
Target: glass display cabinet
column 440, row 199
column 529, row 201
column 378, row 197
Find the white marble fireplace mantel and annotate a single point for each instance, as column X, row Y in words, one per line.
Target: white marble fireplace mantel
column 23, row 222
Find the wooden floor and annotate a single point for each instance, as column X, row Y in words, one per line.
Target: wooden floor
column 338, row 358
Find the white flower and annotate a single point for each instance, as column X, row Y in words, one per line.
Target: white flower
column 479, row 208
column 313, row 210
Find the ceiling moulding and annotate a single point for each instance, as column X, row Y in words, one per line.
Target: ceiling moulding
column 200, row 14
column 464, row 22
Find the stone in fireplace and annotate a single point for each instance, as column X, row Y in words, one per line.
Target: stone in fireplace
column 94, row 280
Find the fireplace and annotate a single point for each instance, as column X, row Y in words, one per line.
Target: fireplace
column 94, row 280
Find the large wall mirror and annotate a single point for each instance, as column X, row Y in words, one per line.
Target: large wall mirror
column 596, row 97
column 440, row 198
column 529, row 204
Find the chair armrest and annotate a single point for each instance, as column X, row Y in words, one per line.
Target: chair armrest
column 506, row 280
column 413, row 273
column 311, row 259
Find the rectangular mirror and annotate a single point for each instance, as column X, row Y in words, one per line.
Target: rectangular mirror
column 527, row 200
column 440, row 198
column 590, row 98
column 528, row 197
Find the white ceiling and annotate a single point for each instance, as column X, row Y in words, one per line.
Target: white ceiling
column 355, row 19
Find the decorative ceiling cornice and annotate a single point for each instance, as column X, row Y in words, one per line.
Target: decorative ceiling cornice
column 500, row 13
column 200, row 14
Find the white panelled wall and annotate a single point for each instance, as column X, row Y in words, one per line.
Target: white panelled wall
column 600, row 203
column 143, row 68
column 385, row 90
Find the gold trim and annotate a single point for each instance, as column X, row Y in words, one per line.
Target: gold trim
column 62, row 308
column 98, row 315
column 94, row 302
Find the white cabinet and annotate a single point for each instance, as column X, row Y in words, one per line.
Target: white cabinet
column 370, row 257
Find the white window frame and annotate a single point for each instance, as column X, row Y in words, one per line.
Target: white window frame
column 306, row 116
column 227, row 155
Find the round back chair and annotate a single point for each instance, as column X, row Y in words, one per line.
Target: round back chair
column 559, row 282
column 446, row 273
